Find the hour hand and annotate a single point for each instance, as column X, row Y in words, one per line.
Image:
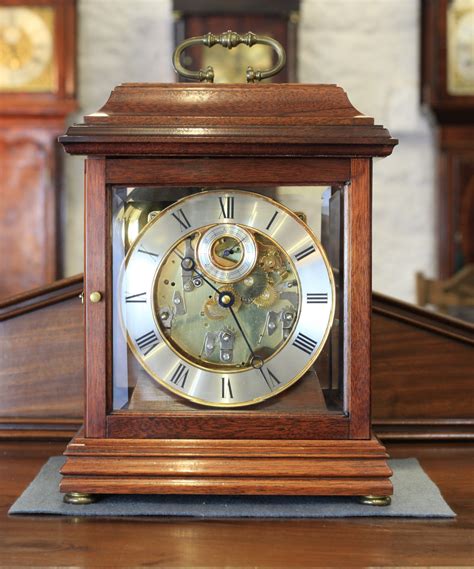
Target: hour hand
column 187, row 268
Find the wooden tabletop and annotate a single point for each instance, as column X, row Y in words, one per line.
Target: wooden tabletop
column 177, row 542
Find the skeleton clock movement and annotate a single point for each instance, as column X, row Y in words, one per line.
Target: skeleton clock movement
column 227, row 289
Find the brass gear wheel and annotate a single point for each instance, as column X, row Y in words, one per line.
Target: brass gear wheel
column 271, row 261
column 214, row 311
column 252, row 286
column 268, row 297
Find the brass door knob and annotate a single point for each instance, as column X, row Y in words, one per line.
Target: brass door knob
column 95, row 297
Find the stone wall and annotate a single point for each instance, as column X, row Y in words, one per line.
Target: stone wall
column 369, row 47
column 119, row 41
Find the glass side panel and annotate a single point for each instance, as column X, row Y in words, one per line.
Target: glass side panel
column 229, row 299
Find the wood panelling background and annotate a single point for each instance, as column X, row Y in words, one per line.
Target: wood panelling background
column 41, row 361
column 422, row 370
column 29, row 210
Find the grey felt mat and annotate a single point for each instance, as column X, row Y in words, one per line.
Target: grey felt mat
column 415, row 495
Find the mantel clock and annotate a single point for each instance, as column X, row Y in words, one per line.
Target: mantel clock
column 227, row 290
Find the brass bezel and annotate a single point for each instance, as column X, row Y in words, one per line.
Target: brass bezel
column 202, row 234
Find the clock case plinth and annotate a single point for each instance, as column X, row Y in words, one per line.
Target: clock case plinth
column 304, row 467
column 231, row 135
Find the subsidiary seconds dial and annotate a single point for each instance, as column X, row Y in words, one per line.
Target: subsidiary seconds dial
column 227, row 298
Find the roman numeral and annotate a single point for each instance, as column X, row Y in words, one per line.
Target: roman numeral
column 304, row 343
column 305, row 252
column 226, row 389
column 148, row 253
column 271, row 220
column 180, row 375
column 135, row 298
column 227, row 207
column 182, row 220
column 317, row 298
column 147, row 342
column 271, row 379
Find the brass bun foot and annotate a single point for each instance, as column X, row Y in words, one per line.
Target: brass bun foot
column 80, row 498
column 375, row 500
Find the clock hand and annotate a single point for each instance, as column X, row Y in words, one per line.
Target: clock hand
column 188, row 264
column 231, row 250
column 256, row 362
column 226, row 300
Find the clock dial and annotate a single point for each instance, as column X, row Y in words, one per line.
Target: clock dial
column 461, row 47
column 26, row 48
column 227, row 298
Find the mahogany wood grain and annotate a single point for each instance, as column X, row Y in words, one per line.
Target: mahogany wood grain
column 211, row 121
column 30, row 205
column 30, row 234
column 422, row 372
column 260, row 424
column 231, row 424
column 195, row 119
column 357, row 295
column 220, row 468
column 36, row 298
column 41, row 372
column 97, row 316
column 227, row 171
column 284, row 543
column 300, row 467
column 455, row 202
column 29, row 383
column 243, row 7
column 454, row 119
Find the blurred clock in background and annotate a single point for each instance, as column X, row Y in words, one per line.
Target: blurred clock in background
column 27, row 61
column 37, row 92
column 460, row 45
column 447, row 81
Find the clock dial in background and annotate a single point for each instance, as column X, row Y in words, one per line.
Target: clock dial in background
column 460, row 39
column 26, row 49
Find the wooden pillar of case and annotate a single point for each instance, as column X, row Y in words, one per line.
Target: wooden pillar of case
column 97, row 280
column 358, row 295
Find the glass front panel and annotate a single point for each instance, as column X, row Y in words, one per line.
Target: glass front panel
column 228, row 299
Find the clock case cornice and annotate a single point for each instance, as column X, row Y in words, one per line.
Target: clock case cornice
column 230, row 119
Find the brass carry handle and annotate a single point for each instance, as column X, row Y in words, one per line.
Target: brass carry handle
column 229, row 39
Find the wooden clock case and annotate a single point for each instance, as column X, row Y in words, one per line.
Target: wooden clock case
column 453, row 117
column 30, row 123
column 248, row 135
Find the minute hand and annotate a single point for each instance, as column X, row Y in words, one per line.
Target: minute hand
column 234, row 316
